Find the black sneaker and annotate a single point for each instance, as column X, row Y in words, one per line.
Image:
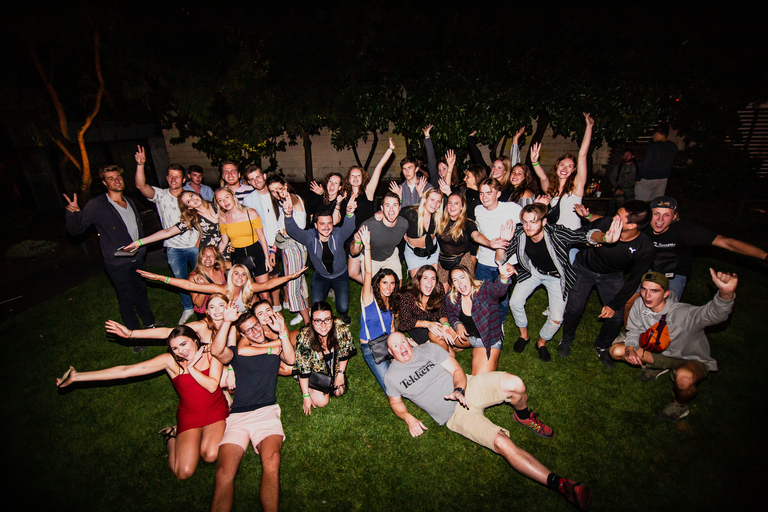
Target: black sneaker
column 520, row 344
column 605, row 358
column 345, row 318
column 544, row 353
column 564, row 348
column 139, row 350
column 651, row 374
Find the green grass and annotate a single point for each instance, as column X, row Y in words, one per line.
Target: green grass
column 96, row 447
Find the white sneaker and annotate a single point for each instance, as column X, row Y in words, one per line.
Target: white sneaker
column 277, row 308
column 186, row 315
column 296, row 320
column 285, row 305
column 545, row 312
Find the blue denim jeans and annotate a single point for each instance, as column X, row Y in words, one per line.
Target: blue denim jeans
column 490, row 274
column 180, row 261
column 524, row 289
column 340, row 285
column 378, row 370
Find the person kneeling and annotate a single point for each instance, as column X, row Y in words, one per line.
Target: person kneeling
column 322, row 351
column 666, row 335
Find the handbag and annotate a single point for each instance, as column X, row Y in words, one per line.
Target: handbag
column 323, row 382
column 378, row 346
column 283, row 242
column 554, row 212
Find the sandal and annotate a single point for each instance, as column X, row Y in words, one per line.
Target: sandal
column 168, row 433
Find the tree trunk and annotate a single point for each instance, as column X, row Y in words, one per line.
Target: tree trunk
column 542, row 122
column 307, row 142
column 374, row 144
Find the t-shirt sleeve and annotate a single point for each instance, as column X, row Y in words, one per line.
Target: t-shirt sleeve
column 698, row 235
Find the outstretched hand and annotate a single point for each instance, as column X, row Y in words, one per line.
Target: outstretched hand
column 614, row 232
column 365, row 236
column 517, row 135
column 150, row 275
column 458, row 396
column 66, row 379
column 535, row 152
column 581, row 210
column 316, row 188
column 427, row 130
column 590, row 121
column 397, row 189
column 117, row 329
column 725, row 282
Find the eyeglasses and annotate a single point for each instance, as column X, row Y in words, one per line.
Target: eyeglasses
column 250, row 329
column 320, row 321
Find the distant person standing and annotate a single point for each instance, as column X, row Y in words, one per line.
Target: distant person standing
column 656, row 165
column 181, row 249
column 622, row 179
column 118, row 223
column 195, row 183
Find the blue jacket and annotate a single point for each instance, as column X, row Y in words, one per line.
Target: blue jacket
column 311, row 240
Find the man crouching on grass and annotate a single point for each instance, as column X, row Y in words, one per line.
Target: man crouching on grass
column 429, row 377
column 666, row 335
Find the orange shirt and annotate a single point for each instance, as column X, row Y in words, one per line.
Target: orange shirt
column 242, row 234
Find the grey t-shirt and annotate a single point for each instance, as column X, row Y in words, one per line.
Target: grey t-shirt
column 385, row 239
column 424, row 381
column 128, row 216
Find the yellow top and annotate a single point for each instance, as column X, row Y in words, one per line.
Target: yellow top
column 242, row 234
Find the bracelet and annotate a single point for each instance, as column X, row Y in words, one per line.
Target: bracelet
column 130, row 334
column 446, row 324
column 140, row 242
column 305, row 396
column 358, row 243
column 603, row 238
column 350, row 215
column 589, row 216
column 391, row 148
column 269, row 350
column 285, row 336
column 340, row 371
column 460, row 390
column 534, row 163
column 167, row 280
column 505, row 281
column 230, row 369
column 272, row 251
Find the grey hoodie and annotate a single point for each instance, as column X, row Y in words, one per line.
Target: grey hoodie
column 686, row 325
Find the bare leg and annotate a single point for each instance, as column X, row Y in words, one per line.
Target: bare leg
column 269, row 451
column 481, row 363
column 524, row 332
column 319, row 398
column 687, row 379
column 522, row 461
column 439, row 341
column 209, row 445
column 355, row 271
column 263, row 279
column 184, row 453
column 229, row 459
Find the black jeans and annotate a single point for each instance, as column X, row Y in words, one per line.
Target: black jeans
column 131, row 293
column 608, row 285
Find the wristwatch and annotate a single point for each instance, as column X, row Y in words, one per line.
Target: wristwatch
column 460, row 390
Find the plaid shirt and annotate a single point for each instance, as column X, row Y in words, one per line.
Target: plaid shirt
column 485, row 311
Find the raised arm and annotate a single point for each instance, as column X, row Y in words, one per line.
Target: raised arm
column 275, row 282
column 367, row 294
column 475, row 154
column 370, row 189
column 118, row 329
column 219, row 348
column 141, row 178
column 581, row 168
column 431, row 160
column 514, row 151
column 540, row 172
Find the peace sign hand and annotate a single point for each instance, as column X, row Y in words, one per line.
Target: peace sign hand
column 72, row 205
column 140, row 156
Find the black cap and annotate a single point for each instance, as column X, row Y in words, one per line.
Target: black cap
column 664, row 202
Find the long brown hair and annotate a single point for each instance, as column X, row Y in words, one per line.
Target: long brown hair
column 554, row 180
column 332, row 341
column 529, row 183
column 456, row 230
column 436, row 298
column 187, row 332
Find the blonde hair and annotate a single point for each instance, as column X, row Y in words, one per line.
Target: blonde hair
column 422, row 208
column 454, row 294
column 246, row 292
column 238, row 207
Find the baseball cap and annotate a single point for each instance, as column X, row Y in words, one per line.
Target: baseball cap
column 664, row 202
column 658, row 278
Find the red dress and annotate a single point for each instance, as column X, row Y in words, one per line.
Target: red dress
column 197, row 407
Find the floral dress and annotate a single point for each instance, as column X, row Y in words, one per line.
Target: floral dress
column 308, row 360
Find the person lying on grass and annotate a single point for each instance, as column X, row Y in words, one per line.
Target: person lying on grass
column 665, row 335
column 202, row 408
column 433, row 380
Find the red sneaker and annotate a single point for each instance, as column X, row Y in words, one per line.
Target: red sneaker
column 578, row 494
column 535, row 424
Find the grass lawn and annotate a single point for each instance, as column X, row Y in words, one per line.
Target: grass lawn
column 95, row 447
